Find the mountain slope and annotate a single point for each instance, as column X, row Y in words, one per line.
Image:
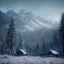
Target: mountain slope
column 26, row 21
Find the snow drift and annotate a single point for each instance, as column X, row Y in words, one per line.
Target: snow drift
column 5, row 59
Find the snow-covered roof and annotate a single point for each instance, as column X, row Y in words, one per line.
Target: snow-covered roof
column 24, row 51
column 54, row 52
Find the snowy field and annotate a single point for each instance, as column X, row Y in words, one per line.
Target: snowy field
column 5, row 59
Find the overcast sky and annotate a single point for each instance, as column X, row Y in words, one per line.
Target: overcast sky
column 48, row 9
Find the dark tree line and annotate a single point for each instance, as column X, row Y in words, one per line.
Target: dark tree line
column 62, row 30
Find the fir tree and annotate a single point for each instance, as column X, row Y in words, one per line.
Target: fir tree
column 55, row 41
column 20, row 42
column 62, row 30
column 43, row 47
column 37, row 49
column 10, row 37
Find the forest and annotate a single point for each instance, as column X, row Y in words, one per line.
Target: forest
column 24, row 30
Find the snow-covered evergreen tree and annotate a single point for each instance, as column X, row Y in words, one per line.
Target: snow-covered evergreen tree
column 10, row 38
column 43, row 49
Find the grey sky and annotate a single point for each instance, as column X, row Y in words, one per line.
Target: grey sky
column 48, row 9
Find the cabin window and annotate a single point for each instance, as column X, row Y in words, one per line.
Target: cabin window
column 51, row 55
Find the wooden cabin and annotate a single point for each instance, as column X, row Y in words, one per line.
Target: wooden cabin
column 21, row 52
column 52, row 53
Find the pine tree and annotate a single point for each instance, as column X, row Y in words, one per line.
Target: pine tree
column 20, row 42
column 55, row 41
column 10, row 37
column 43, row 47
column 37, row 49
column 62, row 30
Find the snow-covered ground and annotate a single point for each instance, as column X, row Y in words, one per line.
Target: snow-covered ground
column 5, row 59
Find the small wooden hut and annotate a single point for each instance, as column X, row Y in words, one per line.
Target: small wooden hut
column 52, row 53
column 21, row 52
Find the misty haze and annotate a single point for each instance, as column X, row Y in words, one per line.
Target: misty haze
column 31, row 32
